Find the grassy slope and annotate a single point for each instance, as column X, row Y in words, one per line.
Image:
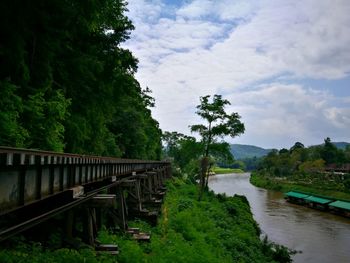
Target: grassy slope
column 285, row 186
column 217, row 229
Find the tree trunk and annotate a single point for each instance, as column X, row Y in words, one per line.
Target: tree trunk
column 207, row 176
column 204, row 168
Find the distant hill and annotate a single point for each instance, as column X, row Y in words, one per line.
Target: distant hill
column 242, row 151
column 341, row 145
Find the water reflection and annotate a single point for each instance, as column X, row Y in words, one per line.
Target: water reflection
column 321, row 236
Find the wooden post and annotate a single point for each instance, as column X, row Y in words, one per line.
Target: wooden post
column 91, row 226
column 69, row 224
column 122, row 209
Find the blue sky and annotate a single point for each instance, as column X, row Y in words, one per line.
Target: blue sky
column 283, row 65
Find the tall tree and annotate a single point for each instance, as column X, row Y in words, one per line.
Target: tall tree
column 218, row 124
column 329, row 152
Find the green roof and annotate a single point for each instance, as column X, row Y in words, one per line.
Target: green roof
column 318, row 199
column 341, row 204
column 296, row 194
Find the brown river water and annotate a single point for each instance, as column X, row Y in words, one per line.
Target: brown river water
column 321, row 236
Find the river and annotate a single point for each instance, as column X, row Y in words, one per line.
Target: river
column 321, row 236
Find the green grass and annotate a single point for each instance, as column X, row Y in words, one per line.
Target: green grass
column 286, row 186
column 219, row 170
column 217, row 229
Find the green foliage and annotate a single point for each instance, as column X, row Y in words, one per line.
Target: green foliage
column 217, row 229
column 44, row 120
column 219, row 170
column 67, row 85
column 277, row 252
column 242, row 151
column 347, row 185
column 184, row 151
column 305, row 168
column 11, row 131
column 323, row 188
column 218, row 122
column 35, row 253
column 330, row 153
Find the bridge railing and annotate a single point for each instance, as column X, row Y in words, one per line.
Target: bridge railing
column 28, row 176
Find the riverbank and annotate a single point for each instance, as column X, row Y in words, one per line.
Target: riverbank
column 216, row 229
column 297, row 227
column 219, row 170
column 284, row 185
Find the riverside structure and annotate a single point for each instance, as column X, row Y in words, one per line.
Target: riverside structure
column 325, row 203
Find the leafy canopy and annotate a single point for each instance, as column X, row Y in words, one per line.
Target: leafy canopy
column 218, row 122
column 66, row 84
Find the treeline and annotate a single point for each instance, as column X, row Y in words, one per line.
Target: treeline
column 307, row 167
column 301, row 160
column 67, row 85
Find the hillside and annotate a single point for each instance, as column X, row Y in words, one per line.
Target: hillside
column 242, row 151
column 341, row 145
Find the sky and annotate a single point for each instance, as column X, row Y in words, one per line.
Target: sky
column 283, row 65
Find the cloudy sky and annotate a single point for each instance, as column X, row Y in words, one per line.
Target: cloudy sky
column 283, row 65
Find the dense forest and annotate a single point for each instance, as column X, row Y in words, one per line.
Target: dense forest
column 67, row 85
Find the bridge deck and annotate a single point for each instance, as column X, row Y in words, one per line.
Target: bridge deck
column 35, row 185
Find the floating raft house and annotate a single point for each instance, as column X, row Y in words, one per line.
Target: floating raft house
column 319, row 200
column 341, row 204
column 341, row 207
column 296, row 197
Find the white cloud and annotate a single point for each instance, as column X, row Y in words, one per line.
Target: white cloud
column 208, row 47
column 223, row 10
column 279, row 115
column 196, row 9
column 144, row 11
column 339, row 117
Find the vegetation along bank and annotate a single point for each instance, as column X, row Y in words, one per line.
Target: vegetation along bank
column 220, row 170
column 321, row 170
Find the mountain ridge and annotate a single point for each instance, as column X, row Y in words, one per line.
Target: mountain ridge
column 243, row 151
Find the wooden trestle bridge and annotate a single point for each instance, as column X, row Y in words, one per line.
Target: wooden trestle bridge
column 36, row 186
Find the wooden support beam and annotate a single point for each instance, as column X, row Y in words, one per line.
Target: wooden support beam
column 110, row 249
column 91, row 226
column 142, row 236
column 138, row 235
column 103, row 201
column 133, row 188
column 120, row 214
column 69, row 224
